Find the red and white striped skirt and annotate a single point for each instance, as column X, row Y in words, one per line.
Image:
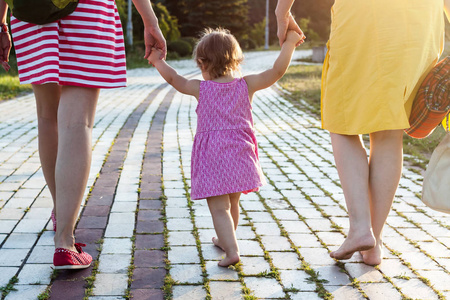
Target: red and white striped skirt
column 84, row 49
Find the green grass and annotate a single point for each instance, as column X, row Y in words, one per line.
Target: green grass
column 304, row 82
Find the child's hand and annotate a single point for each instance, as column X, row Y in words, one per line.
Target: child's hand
column 154, row 56
column 293, row 37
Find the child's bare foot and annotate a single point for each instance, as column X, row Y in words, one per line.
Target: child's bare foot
column 353, row 244
column 217, row 243
column 373, row 256
column 229, row 260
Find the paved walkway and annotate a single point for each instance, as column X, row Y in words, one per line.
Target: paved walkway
column 150, row 241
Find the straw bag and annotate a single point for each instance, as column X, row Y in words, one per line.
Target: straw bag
column 432, row 102
column 41, row 11
column 436, row 182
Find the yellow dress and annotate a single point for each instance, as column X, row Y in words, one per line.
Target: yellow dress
column 378, row 54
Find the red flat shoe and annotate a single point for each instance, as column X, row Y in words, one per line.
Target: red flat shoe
column 53, row 220
column 67, row 259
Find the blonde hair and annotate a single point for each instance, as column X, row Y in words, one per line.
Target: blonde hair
column 218, row 52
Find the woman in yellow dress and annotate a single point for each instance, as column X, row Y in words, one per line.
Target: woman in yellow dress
column 378, row 53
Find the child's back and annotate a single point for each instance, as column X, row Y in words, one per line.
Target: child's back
column 224, row 158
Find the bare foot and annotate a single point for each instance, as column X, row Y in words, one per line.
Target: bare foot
column 373, row 256
column 217, row 243
column 229, row 260
column 353, row 244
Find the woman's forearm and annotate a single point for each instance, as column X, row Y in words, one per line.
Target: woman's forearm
column 3, row 10
column 447, row 8
column 283, row 8
column 144, row 7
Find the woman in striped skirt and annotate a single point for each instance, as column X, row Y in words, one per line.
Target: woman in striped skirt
column 67, row 62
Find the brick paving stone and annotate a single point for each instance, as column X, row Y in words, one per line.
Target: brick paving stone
column 264, row 287
column 146, row 294
column 149, row 258
column 296, row 279
column 110, row 284
column 188, row 292
column 225, row 290
column 186, row 273
column 148, row 278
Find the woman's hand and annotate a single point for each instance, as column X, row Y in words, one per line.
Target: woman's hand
column 154, row 39
column 5, row 47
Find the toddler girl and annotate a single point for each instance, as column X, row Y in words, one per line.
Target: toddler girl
column 224, row 156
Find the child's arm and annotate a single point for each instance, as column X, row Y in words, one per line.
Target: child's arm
column 265, row 79
column 181, row 84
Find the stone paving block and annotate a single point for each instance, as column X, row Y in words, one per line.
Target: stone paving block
column 26, row 292
column 395, row 268
column 92, row 222
column 174, row 212
column 183, row 255
column 295, row 227
column 106, row 298
column 415, row 289
column 211, row 252
column 12, row 257
column 116, row 246
column 285, row 215
column 305, row 240
column 435, row 230
column 218, row 273
column 149, row 241
column 7, row 274
column 285, row 260
column 188, row 292
column 252, row 206
column 260, row 216
column 419, row 261
column 277, row 204
column 254, row 265
column 20, row 241
column 205, row 235
column 331, row 238
column 119, row 230
column 333, row 274
column 11, row 213
column 149, row 215
column 181, row 238
column 245, row 233
column 247, row 248
column 150, row 204
column 204, row 222
column 439, row 279
column 41, row 255
column 434, row 249
column 304, row 296
column 121, row 218
column 344, row 292
column 264, row 287
column 275, row 243
column 363, row 272
column 225, row 290
column 177, row 203
column 30, row 226
column 110, row 284
column 316, row 256
column 267, row 229
column 150, row 227
column 297, row 279
column 114, row 263
column 186, row 273
column 38, row 274
column 415, row 234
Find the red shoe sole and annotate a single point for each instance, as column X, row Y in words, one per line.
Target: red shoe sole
column 71, row 267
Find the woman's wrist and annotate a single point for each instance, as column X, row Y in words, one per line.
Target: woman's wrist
column 4, row 28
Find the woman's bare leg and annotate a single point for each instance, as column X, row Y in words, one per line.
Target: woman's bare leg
column 47, row 102
column 220, row 208
column 75, row 122
column 385, row 169
column 353, row 169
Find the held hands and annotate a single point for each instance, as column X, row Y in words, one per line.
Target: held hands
column 154, row 39
column 293, row 37
column 285, row 23
column 155, row 56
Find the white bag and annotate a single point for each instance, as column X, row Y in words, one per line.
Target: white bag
column 436, row 182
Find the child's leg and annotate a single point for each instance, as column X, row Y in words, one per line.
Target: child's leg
column 220, row 207
column 234, row 199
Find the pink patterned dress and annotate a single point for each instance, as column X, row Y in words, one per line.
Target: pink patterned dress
column 225, row 154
